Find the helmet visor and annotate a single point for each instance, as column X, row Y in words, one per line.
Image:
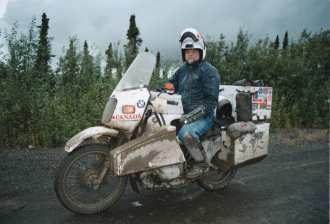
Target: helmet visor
column 187, row 35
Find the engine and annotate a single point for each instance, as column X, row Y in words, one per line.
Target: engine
column 164, row 177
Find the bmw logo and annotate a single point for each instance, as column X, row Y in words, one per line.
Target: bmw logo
column 140, row 104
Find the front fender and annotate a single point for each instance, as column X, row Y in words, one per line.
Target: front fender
column 93, row 132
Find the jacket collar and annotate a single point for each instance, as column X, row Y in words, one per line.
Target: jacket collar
column 195, row 64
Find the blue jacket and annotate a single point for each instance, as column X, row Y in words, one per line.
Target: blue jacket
column 198, row 84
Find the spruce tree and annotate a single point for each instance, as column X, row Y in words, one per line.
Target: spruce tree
column 87, row 77
column 155, row 78
column 68, row 100
column 69, row 66
column 110, row 63
column 97, row 68
column 158, row 60
column 285, row 40
column 119, row 72
column 43, row 83
column 134, row 42
column 277, row 42
column 240, row 56
column 158, row 65
column 118, row 61
column 42, row 67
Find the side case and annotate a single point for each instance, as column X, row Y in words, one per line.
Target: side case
column 252, row 146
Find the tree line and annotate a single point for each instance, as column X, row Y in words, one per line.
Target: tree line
column 298, row 71
column 43, row 103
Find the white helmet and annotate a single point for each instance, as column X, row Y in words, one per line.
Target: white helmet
column 190, row 38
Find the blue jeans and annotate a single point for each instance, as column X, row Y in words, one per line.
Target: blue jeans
column 197, row 128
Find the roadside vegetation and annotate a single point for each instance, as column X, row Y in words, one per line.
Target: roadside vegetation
column 44, row 102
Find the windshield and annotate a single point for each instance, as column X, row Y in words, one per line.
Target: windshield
column 139, row 72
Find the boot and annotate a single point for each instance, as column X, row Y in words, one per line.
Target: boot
column 198, row 169
column 195, row 149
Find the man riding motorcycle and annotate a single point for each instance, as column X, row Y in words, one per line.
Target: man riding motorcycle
column 197, row 81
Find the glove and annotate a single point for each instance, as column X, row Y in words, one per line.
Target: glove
column 194, row 115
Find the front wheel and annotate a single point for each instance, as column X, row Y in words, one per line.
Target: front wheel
column 83, row 183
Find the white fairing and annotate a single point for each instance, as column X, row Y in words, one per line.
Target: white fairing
column 131, row 90
column 166, row 108
column 137, row 98
column 166, row 103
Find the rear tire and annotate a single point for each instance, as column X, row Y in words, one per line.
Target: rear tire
column 216, row 179
column 76, row 176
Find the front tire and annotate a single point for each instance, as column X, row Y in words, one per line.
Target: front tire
column 76, row 183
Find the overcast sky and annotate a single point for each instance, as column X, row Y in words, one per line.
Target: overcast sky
column 102, row 21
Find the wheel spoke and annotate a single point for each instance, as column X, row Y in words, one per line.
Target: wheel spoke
column 83, row 177
column 83, row 183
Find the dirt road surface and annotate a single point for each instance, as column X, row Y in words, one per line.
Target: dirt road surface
column 290, row 186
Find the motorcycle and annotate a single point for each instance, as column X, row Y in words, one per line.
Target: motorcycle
column 137, row 142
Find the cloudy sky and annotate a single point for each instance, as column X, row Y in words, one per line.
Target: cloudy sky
column 102, row 21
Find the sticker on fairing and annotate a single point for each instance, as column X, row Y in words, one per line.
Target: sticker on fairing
column 127, row 117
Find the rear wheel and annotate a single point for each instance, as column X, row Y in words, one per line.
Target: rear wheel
column 83, row 183
column 216, row 179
